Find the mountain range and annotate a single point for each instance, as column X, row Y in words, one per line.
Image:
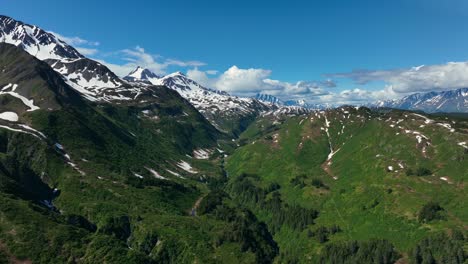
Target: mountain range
column 432, row 102
column 95, row 168
column 221, row 108
column 270, row 99
column 97, row 82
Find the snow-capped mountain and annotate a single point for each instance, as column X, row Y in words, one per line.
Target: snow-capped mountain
column 303, row 103
column 211, row 103
column 89, row 77
column 267, row 98
column 37, row 42
column 180, row 82
column 97, row 83
column 141, row 74
column 446, row 101
column 292, row 104
column 299, row 102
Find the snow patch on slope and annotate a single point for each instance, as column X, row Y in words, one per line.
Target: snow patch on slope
column 29, row 103
column 9, row 116
column 185, row 166
column 155, row 173
column 201, row 154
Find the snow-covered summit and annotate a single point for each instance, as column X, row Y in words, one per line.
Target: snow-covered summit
column 36, row 41
column 87, row 76
column 445, row 101
column 141, row 74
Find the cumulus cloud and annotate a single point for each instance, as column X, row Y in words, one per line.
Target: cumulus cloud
column 452, row 75
column 352, row 96
column 202, row 77
column 298, row 90
column 356, row 96
column 236, row 80
column 248, row 82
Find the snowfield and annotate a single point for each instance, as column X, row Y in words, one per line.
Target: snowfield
column 9, row 116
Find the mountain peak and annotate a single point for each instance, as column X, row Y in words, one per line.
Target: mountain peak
column 176, row 74
column 36, row 41
column 141, row 74
column 267, row 98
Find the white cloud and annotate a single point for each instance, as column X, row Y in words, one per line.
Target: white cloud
column 352, row 96
column 452, row 75
column 356, row 96
column 184, row 63
column 119, row 69
column 201, row 77
column 236, row 80
column 298, row 88
column 75, row 41
column 131, row 57
column 87, row 51
column 83, row 46
column 248, row 82
column 212, row 72
column 139, row 57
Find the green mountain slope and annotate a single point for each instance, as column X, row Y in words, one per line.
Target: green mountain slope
column 105, row 182
column 385, row 167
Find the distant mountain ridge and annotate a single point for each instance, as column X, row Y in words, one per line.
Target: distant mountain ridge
column 267, row 98
column 273, row 100
column 217, row 106
column 445, row 101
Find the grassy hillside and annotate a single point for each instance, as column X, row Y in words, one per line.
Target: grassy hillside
column 387, row 166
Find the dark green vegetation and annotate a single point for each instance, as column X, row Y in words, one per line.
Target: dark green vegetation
column 373, row 251
column 120, row 183
column 440, row 248
column 431, row 211
column 245, row 228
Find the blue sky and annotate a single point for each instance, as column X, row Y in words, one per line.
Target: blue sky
column 368, row 48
